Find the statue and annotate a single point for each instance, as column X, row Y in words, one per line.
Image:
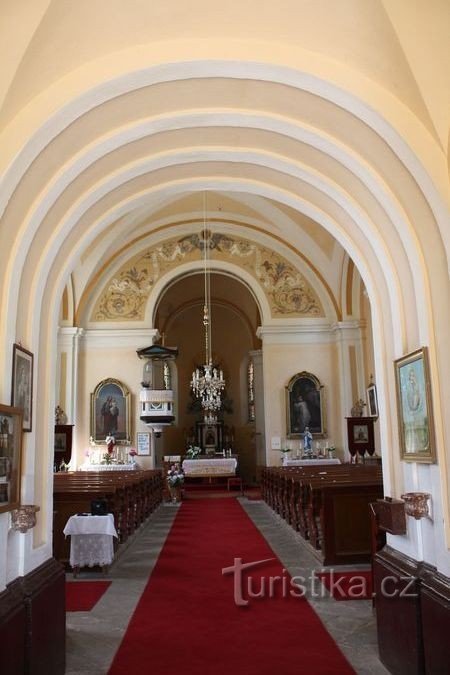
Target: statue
column 307, row 441
column 60, row 416
column 357, row 410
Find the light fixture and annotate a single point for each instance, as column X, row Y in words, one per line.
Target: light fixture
column 207, row 381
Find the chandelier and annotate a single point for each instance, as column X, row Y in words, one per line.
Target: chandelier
column 207, row 381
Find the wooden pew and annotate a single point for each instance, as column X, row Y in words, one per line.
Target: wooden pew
column 328, row 505
column 131, row 497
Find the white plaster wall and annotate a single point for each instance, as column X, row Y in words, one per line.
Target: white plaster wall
column 281, row 362
column 102, row 355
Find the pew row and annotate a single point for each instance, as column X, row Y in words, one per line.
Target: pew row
column 130, row 496
column 328, row 506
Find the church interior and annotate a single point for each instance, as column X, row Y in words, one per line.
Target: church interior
column 225, row 301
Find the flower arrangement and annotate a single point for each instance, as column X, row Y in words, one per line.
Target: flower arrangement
column 193, row 452
column 132, row 452
column 175, row 476
column 106, row 459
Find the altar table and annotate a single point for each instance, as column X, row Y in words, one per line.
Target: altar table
column 310, row 462
column 201, row 468
column 108, row 467
column 91, row 540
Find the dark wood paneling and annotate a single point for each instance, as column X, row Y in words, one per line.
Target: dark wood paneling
column 397, row 588
column 12, row 630
column 346, row 523
column 44, row 598
column 33, row 623
column 435, row 605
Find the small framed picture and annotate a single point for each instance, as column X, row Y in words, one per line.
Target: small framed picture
column 372, row 400
column 143, row 443
column 414, row 404
column 360, row 433
column 22, row 384
column 10, row 457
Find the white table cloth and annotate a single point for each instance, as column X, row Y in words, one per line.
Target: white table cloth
column 91, row 540
column 209, row 467
column 310, row 462
column 108, row 467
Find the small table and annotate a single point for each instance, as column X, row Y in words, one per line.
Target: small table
column 91, row 541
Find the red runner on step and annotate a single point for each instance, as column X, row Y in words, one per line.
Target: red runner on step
column 82, row 596
column 187, row 620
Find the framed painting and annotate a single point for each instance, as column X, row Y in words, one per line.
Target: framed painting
column 110, row 412
column 10, row 457
column 143, row 443
column 372, row 400
column 305, row 406
column 22, row 384
column 414, row 405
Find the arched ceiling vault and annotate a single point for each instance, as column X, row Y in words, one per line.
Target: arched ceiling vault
column 289, row 146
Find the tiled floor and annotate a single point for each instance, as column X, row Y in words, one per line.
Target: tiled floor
column 93, row 637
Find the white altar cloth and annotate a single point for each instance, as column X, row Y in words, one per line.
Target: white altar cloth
column 108, row 467
column 91, row 540
column 209, row 467
column 310, row 462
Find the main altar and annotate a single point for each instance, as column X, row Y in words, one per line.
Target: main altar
column 210, row 467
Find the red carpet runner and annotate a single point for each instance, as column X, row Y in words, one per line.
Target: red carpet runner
column 187, row 621
column 82, row 596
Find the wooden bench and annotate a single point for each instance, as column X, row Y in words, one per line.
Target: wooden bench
column 131, row 497
column 328, row 505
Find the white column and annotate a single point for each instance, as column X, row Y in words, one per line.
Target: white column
column 68, row 343
column 258, row 384
column 348, row 334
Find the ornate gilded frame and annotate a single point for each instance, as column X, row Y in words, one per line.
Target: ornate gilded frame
column 414, row 406
column 117, row 424
column 10, row 457
column 304, row 392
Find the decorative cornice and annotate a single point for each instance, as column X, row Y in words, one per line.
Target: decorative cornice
column 118, row 337
column 309, row 331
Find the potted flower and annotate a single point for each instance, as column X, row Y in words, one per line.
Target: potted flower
column 193, row 452
column 132, row 453
column 175, row 481
column 285, row 452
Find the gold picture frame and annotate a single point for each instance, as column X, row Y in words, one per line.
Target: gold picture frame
column 305, row 406
column 415, row 410
column 10, row 457
column 110, row 412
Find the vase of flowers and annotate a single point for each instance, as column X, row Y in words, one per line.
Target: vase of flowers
column 132, row 453
column 193, row 452
column 175, row 482
column 285, row 455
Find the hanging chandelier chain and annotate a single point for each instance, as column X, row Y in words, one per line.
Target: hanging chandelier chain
column 207, row 382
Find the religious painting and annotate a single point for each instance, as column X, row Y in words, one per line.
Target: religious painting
column 372, row 400
column 414, row 403
column 305, row 406
column 10, row 457
column 110, row 412
column 360, row 433
column 22, row 384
